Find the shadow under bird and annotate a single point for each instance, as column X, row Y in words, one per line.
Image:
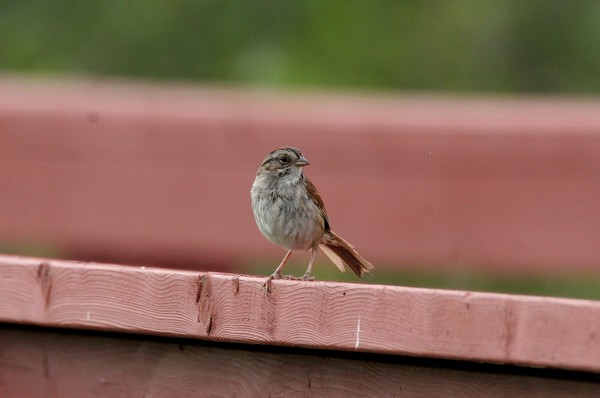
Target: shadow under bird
column 290, row 213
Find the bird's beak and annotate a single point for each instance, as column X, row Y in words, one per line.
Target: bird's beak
column 301, row 162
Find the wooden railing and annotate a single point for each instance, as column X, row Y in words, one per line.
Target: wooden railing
column 156, row 175
column 561, row 334
column 160, row 175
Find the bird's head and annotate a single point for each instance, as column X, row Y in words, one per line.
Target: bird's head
column 283, row 161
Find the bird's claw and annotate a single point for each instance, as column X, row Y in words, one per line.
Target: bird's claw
column 267, row 285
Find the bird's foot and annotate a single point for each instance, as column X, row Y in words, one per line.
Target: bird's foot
column 307, row 277
column 291, row 277
column 267, row 285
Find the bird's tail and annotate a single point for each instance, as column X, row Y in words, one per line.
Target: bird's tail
column 343, row 254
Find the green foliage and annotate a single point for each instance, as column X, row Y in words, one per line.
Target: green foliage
column 32, row 249
column 469, row 45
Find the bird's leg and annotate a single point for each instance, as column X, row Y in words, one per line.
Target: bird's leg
column 277, row 273
column 307, row 275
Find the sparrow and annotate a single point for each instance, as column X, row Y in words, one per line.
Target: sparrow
column 289, row 212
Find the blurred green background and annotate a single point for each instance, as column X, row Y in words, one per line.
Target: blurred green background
column 499, row 46
column 469, row 45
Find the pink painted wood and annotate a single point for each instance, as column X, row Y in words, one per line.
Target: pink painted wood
column 161, row 174
column 470, row 326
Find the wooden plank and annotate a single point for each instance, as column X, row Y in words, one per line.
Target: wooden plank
column 46, row 363
column 521, row 330
column 129, row 172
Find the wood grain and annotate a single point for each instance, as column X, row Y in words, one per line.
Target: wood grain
column 36, row 363
column 468, row 326
column 160, row 175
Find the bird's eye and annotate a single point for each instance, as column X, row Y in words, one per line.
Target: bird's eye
column 284, row 159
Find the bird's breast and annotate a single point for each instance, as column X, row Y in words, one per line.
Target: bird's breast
column 286, row 216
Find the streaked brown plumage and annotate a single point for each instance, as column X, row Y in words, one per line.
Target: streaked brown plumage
column 290, row 213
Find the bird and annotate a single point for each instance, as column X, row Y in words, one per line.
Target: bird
column 289, row 212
